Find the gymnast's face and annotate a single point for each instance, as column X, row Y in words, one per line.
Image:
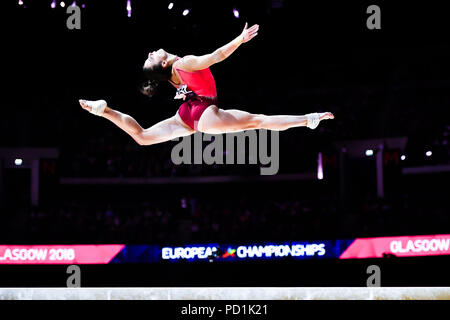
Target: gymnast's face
column 154, row 58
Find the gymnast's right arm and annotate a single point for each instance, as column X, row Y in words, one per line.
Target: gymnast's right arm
column 193, row 63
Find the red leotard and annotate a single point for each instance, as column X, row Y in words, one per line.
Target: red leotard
column 200, row 82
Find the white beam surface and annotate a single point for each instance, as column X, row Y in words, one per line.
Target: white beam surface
column 229, row 293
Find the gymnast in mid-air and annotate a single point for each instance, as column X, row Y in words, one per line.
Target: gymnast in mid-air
column 195, row 84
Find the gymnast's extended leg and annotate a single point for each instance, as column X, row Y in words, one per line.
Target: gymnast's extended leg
column 215, row 121
column 165, row 130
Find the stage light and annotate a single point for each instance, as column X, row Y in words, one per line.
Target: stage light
column 170, row 6
column 236, row 13
column 185, row 12
column 62, row 4
column 74, row 4
column 428, row 153
column 20, row 2
column 403, row 157
column 53, row 5
column 129, row 8
column 369, row 153
column 319, row 167
column 18, row 162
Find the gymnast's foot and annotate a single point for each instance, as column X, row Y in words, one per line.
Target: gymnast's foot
column 326, row 116
column 95, row 107
column 313, row 119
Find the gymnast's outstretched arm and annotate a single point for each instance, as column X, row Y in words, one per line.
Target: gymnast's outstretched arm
column 193, row 63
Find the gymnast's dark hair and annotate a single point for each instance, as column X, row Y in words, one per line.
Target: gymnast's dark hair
column 155, row 75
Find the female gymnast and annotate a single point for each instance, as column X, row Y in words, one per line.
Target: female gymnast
column 196, row 86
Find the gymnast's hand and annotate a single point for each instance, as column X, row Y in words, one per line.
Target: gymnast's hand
column 248, row 34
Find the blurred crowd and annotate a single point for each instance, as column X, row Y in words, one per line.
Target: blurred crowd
column 200, row 218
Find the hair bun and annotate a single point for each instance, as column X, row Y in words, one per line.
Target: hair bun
column 149, row 87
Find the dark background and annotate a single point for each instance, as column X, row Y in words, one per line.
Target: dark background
column 308, row 57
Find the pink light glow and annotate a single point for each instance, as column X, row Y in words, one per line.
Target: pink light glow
column 129, row 8
column 58, row 254
column 320, row 167
column 408, row 246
